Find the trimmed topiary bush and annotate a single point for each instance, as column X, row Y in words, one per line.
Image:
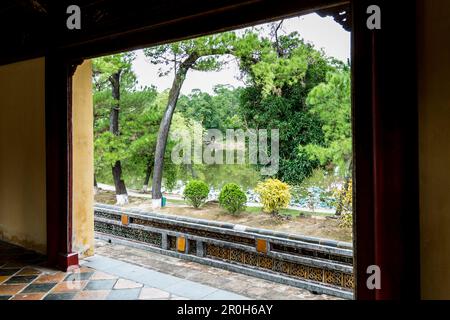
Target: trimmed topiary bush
column 196, row 193
column 274, row 195
column 232, row 198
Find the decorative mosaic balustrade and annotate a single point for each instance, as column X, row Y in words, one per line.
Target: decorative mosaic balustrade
column 323, row 266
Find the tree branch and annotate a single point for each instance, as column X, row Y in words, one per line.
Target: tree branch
column 277, row 42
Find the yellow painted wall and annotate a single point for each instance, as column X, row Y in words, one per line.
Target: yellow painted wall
column 22, row 154
column 83, row 160
column 434, row 147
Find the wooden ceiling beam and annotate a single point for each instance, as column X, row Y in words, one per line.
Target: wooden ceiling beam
column 108, row 25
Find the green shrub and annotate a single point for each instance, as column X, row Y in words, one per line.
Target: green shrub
column 196, row 193
column 232, row 198
column 274, row 195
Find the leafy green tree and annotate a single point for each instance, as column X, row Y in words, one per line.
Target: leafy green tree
column 140, row 116
column 217, row 111
column 114, row 72
column 281, row 74
column 140, row 124
column 331, row 102
column 197, row 54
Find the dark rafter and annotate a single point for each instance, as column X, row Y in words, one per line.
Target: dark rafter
column 29, row 27
column 36, row 6
column 340, row 14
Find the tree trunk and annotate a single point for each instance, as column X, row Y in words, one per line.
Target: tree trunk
column 114, row 113
column 164, row 128
column 121, row 190
column 191, row 169
column 277, row 41
column 95, row 185
column 148, row 174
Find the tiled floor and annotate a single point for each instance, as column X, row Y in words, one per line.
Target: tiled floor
column 23, row 276
column 82, row 284
column 119, row 272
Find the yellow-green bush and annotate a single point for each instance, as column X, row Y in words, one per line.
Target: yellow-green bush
column 346, row 220
column 344, row 204
column 274, row 195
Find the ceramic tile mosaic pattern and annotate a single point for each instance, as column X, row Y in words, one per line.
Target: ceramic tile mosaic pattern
column 125, row 273
column 23, row 276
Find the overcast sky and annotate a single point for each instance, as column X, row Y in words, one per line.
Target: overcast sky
column 324, row 33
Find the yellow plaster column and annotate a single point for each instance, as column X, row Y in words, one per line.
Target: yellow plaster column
column 83, row 160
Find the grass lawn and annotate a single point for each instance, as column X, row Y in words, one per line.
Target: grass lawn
column 176, row 201
column 286, row 212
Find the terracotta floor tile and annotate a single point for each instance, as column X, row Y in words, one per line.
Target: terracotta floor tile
column 39, row 287
column 92, row 295
column 3, row 279
column 69, row 286
column 85, row 269
column 60, row 296
column 14, row 265
column 21, row 279
column 127, row 284
column 8, row 271
column 102, row 276
column 11, row 289
column 46, row 270
column 28, row 296
column 58, row 277
column 28, row 272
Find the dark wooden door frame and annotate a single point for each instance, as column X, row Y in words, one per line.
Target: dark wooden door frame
column 386, row 218
column 59, row 188
column 385, row 133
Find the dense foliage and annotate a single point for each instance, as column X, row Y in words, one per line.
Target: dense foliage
column 217, row 111
column 232, row 198
column 196, row 193
column 289, row 85
column 330, row 101
column 274, row 194
column 345, row 196
column 276, row 99
column 139, row 118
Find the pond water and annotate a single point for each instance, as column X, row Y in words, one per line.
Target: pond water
column 247, row 177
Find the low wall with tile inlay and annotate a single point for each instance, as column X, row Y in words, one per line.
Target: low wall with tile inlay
column 322, row 266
